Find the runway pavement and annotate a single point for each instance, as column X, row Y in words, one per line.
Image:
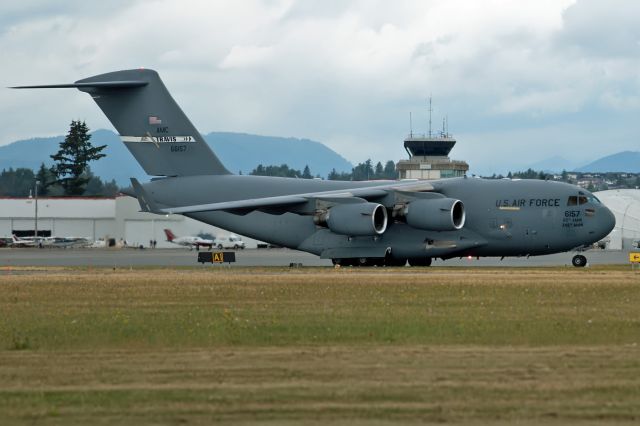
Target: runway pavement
column 257, row 257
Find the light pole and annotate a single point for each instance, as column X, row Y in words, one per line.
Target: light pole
column 36, row 215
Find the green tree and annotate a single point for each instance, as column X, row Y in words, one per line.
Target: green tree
column 379, row 171
column 111, row 188
column 45, row 179
column 334, row 175
column 17, row 183
column 96, row 187
column 390, row 170
column 281, row 171
column 306, row 173
column 72, row 160
column 363, row 171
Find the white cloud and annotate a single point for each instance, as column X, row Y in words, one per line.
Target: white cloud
column 246, row 57
column 345, row 73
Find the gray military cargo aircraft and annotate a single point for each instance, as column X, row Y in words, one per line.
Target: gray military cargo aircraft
column 352, row 223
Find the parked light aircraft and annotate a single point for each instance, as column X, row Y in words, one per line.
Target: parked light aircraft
column 364, row 223
column 58, row 242
column 188, row 241
column 26, row 242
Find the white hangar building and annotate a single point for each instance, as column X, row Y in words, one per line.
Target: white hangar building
column 625, row 205
column 96, row 218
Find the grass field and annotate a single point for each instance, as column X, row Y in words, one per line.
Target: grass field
column 151, row 346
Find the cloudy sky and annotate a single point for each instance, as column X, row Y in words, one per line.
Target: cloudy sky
column 520, row 81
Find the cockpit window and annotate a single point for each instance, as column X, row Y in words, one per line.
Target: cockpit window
column 581, row 199
column 593, row 199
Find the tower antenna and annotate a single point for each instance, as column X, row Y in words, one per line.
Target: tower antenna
column 410, row 125
column 430, row 111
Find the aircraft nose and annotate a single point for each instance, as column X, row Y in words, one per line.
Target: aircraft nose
column 607, row 221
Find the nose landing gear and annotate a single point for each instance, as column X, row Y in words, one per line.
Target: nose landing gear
column 579, row 261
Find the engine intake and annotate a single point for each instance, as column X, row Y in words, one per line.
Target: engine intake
column 357, row 219
column 439, row 214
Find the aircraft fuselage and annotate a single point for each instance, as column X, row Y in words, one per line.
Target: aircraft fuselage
column 503, row 217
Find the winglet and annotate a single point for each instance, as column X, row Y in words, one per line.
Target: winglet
column 147, row 204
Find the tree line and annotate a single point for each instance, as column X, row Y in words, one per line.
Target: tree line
column 363, row 171
column 70, row 174
column 20, row 182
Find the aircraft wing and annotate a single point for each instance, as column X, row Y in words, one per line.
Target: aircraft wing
column 284, row 200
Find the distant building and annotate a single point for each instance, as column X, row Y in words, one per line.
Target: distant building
column 429, row 158
column 625, row 205
column 96, row 218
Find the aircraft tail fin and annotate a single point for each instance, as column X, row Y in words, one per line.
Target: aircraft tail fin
column 170, row 235
column 150, row 122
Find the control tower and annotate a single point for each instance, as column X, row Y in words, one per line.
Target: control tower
column 429, row 156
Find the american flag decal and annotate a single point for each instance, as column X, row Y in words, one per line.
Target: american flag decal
column 154, row 120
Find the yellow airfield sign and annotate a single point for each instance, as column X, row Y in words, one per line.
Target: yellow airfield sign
column 634, row 257
column 216, row 257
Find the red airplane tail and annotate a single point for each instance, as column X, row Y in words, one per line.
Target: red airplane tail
column 170, row 235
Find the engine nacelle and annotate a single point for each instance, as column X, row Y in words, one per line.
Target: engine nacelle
column 357, row 219
column 437, row 214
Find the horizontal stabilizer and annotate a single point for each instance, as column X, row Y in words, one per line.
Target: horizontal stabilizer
column 97, row 84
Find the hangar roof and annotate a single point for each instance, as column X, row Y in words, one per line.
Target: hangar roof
column 59, row 207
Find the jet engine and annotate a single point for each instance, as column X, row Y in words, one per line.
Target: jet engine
column 357, row 219
column 439, row 214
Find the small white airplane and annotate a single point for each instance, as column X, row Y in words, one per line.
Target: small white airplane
column 26, row 242
column 73, row 242
column 61, row 242
column 188, row 241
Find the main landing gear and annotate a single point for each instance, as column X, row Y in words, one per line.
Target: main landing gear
column 388, row 261
column 579, row 261
column 420, row 261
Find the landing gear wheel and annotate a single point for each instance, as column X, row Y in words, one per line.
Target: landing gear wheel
column 344, row 262
column 420, row 261
column 579, row 261
column 395, row 262
column 219, row 246
column 377, row 261
column 363, row 261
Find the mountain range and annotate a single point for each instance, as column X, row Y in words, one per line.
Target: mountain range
column 239, row 152
column 626, row 161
